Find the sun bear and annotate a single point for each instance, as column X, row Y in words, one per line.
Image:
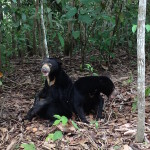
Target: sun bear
column 53, row 98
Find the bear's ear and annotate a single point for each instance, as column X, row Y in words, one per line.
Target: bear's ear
column 59, row 61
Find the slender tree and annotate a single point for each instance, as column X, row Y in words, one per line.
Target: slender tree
column 35, row 24
column 141, row 70
column 44, row 32
column 13, row 5
column 1, row 18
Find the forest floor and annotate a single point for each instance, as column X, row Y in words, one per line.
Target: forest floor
column 116, row 132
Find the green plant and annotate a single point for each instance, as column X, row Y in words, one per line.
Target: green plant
column 134, row 105
column 30, row 146
column 116, row 147
column 58, row 134
column 54, row 136
column 147, row 91
column 96, row 124
column 134, row 28
column 74, row 124
column 130, row 80
column 89, row 68
column 60, row 119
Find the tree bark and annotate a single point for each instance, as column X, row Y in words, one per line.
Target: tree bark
column 34, row 27
column 141, row 70
column 40, row 51
column 1, row 18
column 13, row 5
column 44, row 32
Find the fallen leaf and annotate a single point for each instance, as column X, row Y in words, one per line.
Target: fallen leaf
column 34, row 129
column 130, row 132
column 1, row 74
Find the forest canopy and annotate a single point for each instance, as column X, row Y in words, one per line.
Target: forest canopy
column 71, row 26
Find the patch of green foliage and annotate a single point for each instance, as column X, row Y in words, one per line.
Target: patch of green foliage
column 75, row 125
column 147, row 91
column 89, row 68
column 95, row 123
column 57, row 135
column 62, row 119
column 30, row 146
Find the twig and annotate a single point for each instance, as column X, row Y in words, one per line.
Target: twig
column 12, row 144
column 110, row 108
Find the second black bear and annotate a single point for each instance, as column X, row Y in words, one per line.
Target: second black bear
column 86, row 95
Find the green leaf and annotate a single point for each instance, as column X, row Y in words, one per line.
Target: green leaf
column 85, row 19
column 88, row 66
column 117, row 147
column 1, row 83
column 61, row 40
column 134, row 28
column 30, row 146
column 147, row 27
column 48, row 10
column 74, row 124
column 96, row 125
column 56, row 122
column 14, row 1
column 24, row 17
column 95, row 74
column 147, row 91
column 57, row 116
column 64, row 120
column 71, row 12
column 49, row 137
column 76, row 34
column 92, row 69
column 57, row 135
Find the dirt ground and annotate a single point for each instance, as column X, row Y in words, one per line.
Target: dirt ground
column 116, row 132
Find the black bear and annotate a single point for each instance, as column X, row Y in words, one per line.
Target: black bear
column 86, row 95
column 60, row 96
column 53, row 98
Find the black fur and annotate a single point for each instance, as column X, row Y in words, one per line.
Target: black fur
column 86, row 95
column 55, row 97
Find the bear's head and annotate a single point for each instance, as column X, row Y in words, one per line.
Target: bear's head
column 50, row 66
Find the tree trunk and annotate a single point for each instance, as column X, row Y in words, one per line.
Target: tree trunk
column 1, row 18
column 29, row 49
column 34, row 27
column 44, row 32
column 40, row 51
column 13, row 5
column 141, row 70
